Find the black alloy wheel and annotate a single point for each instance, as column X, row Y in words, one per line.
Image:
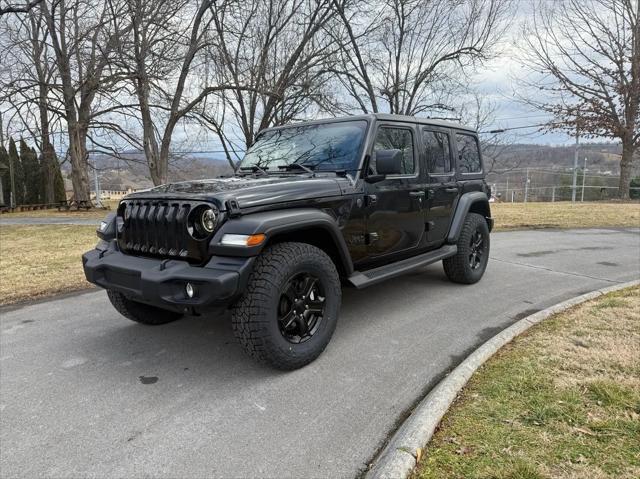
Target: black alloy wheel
column 470, row 261
column 290, row 307
column 476, row 252
column 301, row 308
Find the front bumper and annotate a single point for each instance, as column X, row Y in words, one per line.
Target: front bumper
column 162, row 283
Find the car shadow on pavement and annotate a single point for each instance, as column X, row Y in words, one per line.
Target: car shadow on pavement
column 205, row 345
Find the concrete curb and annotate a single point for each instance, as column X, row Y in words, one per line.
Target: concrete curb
column 398, row 458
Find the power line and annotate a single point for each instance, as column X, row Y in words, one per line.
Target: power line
column 543, row 115
column 502, row 130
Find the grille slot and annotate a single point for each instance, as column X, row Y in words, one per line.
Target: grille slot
column 158, row 228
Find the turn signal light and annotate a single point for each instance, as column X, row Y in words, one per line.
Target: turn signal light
column 255, row 240
column 243, row 240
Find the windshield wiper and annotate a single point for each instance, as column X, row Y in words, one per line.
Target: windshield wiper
column 254, row 169
column 300, row 166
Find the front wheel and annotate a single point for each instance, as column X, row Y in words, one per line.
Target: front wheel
column 290, row 308
column 468, row 265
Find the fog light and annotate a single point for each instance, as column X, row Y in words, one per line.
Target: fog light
column 190, row 290
column 103, row 225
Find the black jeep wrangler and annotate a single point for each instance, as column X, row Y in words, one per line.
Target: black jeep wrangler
column 355, row 200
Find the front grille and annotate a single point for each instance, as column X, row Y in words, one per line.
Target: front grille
column 158, row 228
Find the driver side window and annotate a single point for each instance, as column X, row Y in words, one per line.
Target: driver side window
column 389, row 138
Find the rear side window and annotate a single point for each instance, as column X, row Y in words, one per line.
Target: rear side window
column 436, row 146
column 397, row 139
column 468, row 153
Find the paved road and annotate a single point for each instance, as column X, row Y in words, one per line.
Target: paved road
column 85, row 393
column 48, row 220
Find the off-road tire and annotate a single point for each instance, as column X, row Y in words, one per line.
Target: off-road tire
column 255, row 314
column 140, row 313
column 458, row 268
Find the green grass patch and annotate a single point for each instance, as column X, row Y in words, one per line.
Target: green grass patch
column 562, row 401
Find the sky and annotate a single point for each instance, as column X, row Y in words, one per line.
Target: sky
column 495, row 81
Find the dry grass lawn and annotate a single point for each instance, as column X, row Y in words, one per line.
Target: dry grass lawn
column 562, row 401
column 111, row 206
column 509, row 216
column 42, row 260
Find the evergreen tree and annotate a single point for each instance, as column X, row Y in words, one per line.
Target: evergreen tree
column 59, row 193
column 18, row 173
column 5, row 176
column 32, row 174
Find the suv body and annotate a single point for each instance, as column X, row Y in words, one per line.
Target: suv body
column 370, row 197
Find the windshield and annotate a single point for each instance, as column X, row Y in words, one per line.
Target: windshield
column 326, row 146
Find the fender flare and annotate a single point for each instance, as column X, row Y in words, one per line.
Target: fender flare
column 466, row 201
column 278, row 222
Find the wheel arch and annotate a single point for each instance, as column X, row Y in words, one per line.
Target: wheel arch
column 312, row 226
column 472, row 202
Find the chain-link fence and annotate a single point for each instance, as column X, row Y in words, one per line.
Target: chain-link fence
column 538, row 184
column 560, row 193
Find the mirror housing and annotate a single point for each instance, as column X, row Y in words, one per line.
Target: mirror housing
column 388, row 162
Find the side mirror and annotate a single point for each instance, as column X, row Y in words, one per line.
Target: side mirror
column 386, row 162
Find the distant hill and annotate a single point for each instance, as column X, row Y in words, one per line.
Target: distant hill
column 511, row 160
column 133, row 172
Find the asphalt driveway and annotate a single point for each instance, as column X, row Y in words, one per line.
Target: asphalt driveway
column 86, row 393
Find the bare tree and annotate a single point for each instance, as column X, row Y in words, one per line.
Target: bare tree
column 84, row 37
column 480, row 113
column 170, row 58
column 18, row 7
column 152, row 54
column 585, row 55
column 408, row 56
column 26, row 85
column 274, row 51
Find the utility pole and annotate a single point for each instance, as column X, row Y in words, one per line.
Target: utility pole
column 575, row 165
column 584, row 175
column 526, row 187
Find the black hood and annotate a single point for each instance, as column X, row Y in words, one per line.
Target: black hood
column 250, row 191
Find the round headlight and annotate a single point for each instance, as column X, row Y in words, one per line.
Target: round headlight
column 208, row 220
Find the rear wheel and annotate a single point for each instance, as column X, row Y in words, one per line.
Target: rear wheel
column 469, row 263
column 140, row 313
column 290, row 308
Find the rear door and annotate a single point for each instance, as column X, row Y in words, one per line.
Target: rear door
column 443, row 190
column 395, row 217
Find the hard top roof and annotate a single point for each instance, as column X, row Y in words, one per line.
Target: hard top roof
column 383, row 117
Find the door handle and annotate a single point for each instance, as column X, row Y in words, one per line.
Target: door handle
column 451, row 190
column 416, row 194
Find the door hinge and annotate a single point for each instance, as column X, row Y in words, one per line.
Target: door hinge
column 429, row 225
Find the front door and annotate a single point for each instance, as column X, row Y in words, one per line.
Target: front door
column 443, row 191
column 395, row 217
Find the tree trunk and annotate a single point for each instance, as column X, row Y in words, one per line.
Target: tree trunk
column 160, row 171
column 48, row 172
column 625, row 169
column 79, row 161
column 151, row 152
